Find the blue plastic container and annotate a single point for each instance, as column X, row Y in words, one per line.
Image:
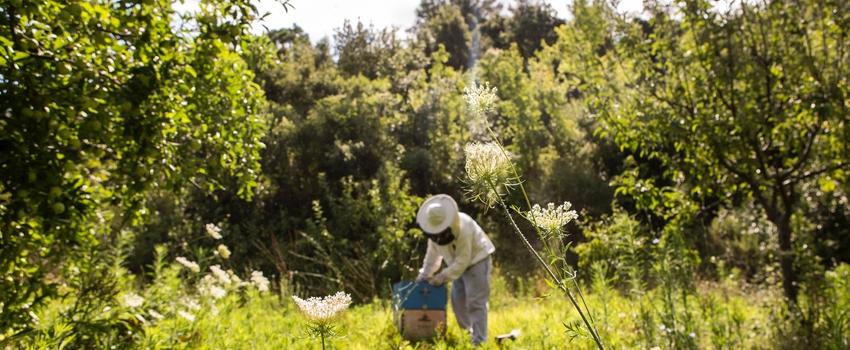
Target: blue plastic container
column 410, row 295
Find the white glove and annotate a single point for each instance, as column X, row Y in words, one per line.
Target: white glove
column 421, row 278
column 437, row 280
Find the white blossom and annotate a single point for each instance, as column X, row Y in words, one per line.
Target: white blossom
column 552, row 219
column 234, row 278
column 222, row 276
column 213, row 231
column 260, row 281
column 480, row 99
column 222, row 251
column 133, row 300
column 155, row 314
column 217, row 292
column 208, row 286
column 190, row 303
column 191, row 265
column 186, row 315
column 488, row 170
column 323, row 309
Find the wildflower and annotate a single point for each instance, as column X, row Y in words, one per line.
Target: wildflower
column 190, row 303
column 222, row 251
column 219, row 274
column 191, row 265
column 213, row 231
column 217, row 292
column 235, row 278
column 480, row 99
column 189, row 317
column 324, row 309
column 133, row 300
column 260, row 281
column 488, row 168
column 155, row 314
column 552, row 219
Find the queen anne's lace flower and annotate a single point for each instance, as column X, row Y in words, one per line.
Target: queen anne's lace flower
column 222, row 251
column 133, row 300
column 488, row 169
column 480, row 98
column 323, row 309
column 222, row 276
column 155, row 314
column 217, row 292
column 213, row 231
column 234, row 278
column 191, row 265
column 190, row 303
column 552, row 219
column 260, row 281
column 189, row 317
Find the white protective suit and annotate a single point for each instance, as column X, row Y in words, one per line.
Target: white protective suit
column 469, row 265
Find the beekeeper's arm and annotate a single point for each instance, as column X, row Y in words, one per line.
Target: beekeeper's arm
column 431, row 263
column 463, row 256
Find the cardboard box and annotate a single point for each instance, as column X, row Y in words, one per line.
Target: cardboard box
column 409, row 295
column 422, row 324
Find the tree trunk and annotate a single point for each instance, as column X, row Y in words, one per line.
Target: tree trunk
column 786, row 255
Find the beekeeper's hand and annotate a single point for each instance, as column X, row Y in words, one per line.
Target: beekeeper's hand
column 421, row 278
column 437, row 280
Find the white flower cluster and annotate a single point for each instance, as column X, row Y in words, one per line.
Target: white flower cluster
column 480, row 98
column 323, row 309
column 552, row 219
column 213, row 231
column 133, row 300
column 260, row 281
column 222, row 276
column 191, row 265
column 222, row 251
column 189, row 317
column 488, row 169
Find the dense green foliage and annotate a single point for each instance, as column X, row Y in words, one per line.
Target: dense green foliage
column 706, row 149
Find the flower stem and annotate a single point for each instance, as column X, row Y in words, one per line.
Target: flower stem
column 554, row 277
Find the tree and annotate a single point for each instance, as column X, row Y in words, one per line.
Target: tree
column 447, row 27
column 104, row 101
column 366, row 51
column 531, row 23
column 751, row 103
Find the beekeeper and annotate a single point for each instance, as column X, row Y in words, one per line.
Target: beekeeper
column 456, row 238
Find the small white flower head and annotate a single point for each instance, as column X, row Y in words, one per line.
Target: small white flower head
column 480, row 99
column 217, row 292
column 213, row 231
column 234, row 278
column 324, row 309
column 222, row 251
column 191, row 265
column 208, row 286
column 222, row 276
column 190, row 303
column 488, row 169
column 552, row 219
column 189, row 317
column 133, row 300
column 155, row 314
column 260, row 281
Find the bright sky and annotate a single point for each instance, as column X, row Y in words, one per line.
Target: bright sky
column 319, row 18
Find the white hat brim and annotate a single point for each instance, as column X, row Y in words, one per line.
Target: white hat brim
column 447, row 202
